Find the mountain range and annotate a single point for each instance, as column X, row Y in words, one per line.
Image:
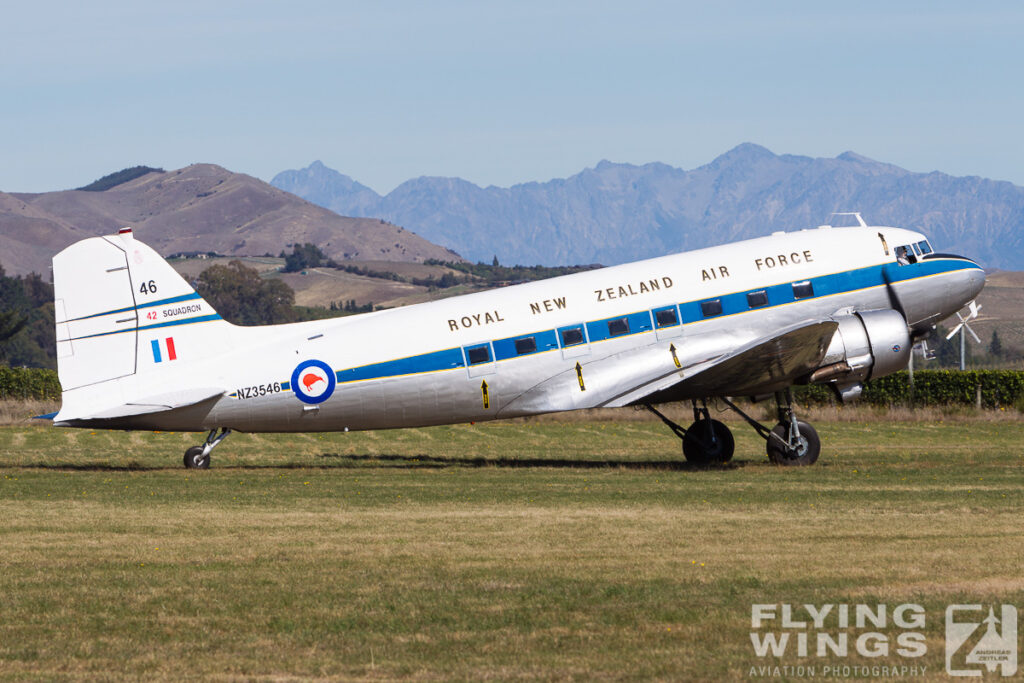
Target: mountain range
column 616, row 212
column 197, row 209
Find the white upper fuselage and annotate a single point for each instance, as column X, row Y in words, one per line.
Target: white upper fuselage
column 426, row 364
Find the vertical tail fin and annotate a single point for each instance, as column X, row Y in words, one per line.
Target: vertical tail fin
column 122, row 311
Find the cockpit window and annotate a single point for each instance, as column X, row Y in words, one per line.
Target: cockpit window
column 905, row 255
column 924, row 247
column 917, row 249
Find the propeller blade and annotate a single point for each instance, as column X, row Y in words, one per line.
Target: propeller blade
column 968, row 328
column 953, row 333
column 894, row 299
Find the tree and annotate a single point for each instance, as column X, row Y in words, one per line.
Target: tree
column 11, row 323
column 947, row 353
column 27, row 334
column 447, row 280
column 995, row 347
column 12, row 301
column 242, row 297
column 304, row 256
column 119, row 178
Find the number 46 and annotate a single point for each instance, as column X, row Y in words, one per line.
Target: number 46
column 148, row 287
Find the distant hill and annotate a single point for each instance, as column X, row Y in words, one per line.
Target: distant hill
column 118, row 178
column 620, row 212
column 198, row 209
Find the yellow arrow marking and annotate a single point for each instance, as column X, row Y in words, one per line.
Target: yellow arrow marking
column 579, row 376
column 672, row 348
column 483, row 391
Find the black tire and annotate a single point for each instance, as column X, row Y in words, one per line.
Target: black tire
column 806, row 454
column 195, row 460
column 700, row 449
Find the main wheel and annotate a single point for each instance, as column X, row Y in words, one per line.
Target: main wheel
column 701, row 449
column 195, row 460
column 804, row 453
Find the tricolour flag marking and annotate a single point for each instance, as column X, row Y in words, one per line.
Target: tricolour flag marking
column 158, row 349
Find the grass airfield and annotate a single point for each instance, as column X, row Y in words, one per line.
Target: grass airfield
column 542, row 549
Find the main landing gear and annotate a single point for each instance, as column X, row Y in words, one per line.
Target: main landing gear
column 706, row 441
column 198, row 457
column 790, row 443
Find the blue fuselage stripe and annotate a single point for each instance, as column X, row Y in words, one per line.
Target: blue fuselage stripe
column 427, row 362
column 642, row 321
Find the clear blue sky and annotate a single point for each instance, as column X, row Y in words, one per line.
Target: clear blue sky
column 500, row 93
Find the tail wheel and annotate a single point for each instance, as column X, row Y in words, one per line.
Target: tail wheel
column 195, row 460
column 803, row 452
column 708, row 441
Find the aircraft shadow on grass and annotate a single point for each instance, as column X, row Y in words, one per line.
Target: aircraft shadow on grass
column 433, row 462
column 344, row 461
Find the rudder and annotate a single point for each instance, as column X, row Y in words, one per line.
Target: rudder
column 119, row 308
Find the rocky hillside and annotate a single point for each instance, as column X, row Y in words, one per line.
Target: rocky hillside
column 200, row 208
column 620, row 212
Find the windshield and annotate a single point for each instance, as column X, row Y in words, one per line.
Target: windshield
column 911, row 253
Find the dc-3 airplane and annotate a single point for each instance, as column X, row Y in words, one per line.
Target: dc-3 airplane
column 138, row 348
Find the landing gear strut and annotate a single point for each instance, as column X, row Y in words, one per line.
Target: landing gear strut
column 706, row 441
column 198, row 457
column 791, row 441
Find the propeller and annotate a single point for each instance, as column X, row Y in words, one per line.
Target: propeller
column 890, row 290
column 973, row 309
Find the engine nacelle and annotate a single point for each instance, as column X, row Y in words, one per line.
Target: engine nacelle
column 866, row 344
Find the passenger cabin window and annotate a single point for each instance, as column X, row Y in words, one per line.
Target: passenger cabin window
column 905, row 255
column 478, row 355
column 572, row 336
column 666, row 317
column 526, row 345
column 803, row 290
column 618, row 327
column 711, row 308
column 757, row 299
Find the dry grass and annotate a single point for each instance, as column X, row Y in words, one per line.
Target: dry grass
column 21, row 412
column 321, row 286
column 1002, row 308
column 392, row 555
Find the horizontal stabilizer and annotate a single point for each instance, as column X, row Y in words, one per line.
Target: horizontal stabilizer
column 158, row 403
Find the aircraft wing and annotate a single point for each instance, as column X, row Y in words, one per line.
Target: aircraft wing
column 764, row 365
column 652, row 375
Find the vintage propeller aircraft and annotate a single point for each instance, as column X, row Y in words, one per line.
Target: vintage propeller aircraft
column 138, row 348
